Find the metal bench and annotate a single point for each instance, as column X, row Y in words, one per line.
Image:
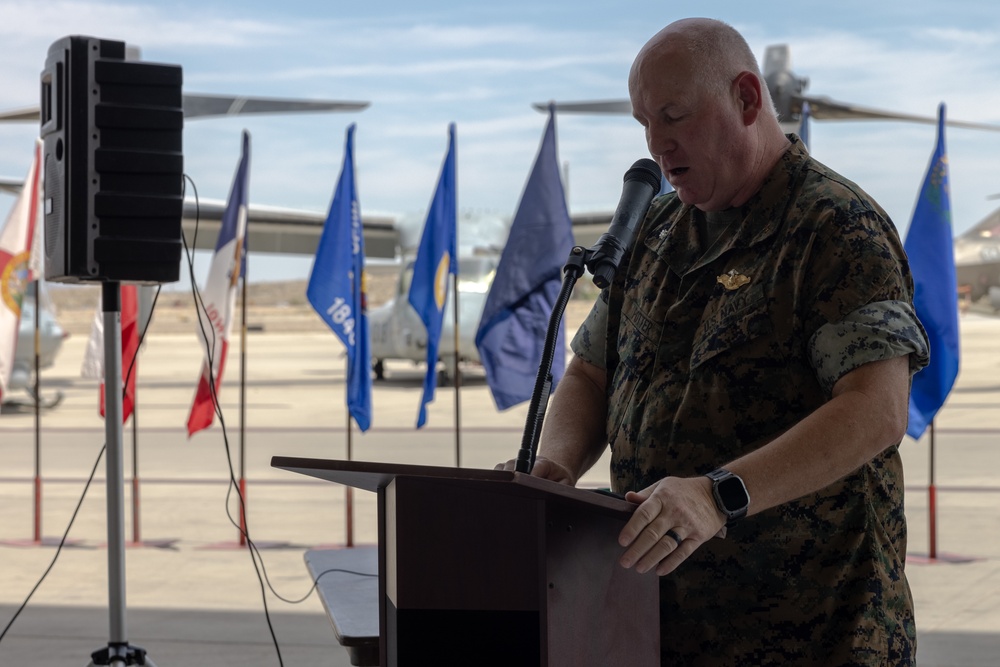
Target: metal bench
column 348, row 586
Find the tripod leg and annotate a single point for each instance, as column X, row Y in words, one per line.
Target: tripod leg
column 120, row 655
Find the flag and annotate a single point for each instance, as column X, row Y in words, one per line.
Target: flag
column 336, row 287
column 515, row 318
column 93, row 356
column 219, row 296
column 16, row 266
column 932, row 260
column 434, row 264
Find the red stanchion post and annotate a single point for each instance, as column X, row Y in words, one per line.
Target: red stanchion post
column 243, row 516
column 38, row 509
column 932, row 502
column 350, row 515
column 349, row 491
column 136, row 539
column 932, row 508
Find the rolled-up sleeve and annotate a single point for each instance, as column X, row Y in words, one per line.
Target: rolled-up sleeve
column 874, row 332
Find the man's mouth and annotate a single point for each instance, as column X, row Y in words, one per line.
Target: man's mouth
column 679, row 171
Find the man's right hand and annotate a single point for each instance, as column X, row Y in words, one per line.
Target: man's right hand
column 544, row 468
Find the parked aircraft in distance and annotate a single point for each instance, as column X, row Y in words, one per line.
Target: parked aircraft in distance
column 50, row 339
column 396, row 330
column 977, row 251
column 788, row 93
column 977, row 259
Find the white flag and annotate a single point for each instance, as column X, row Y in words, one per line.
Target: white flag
column 15, row 263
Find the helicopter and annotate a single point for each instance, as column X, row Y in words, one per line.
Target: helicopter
column 977, row 251
column 788, row 94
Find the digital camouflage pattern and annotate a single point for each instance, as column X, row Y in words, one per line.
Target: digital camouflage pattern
column 712, row 353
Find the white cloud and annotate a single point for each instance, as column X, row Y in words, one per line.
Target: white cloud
column 423, row 70
column 145, row 25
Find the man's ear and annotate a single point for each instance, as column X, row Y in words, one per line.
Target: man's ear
column 749, row 95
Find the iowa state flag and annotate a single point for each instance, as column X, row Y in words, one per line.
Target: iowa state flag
column 219, row 296
column 435, row 263
column 16, row 266
column 336, row 287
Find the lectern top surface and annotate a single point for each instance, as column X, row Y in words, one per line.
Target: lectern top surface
column 371, row 476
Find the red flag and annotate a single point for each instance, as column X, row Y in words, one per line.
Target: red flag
column 203, row 409
column 130, row 350
column 93, row 359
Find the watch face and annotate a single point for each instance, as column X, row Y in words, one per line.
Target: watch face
column 733, row 494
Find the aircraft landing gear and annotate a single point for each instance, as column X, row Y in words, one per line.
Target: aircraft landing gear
column 447, row 374
column 379, row 367
column 45, row 403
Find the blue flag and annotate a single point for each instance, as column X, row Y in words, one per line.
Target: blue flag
column 515, row 317
column 336, row 287
column 435, row 262
column 932, row 261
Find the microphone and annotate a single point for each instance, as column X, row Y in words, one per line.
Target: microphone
column 642, row 183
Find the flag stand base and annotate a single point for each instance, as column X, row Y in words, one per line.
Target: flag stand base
column 925, row 559
column 43, row 542
column 262, row 545
column 158, row 543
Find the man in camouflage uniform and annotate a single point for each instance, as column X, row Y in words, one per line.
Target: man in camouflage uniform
column 763, row 325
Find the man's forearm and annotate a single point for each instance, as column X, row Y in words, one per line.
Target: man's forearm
column 574, row 431
column 866, row 415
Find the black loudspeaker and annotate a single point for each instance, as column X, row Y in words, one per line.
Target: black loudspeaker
column 114, row 165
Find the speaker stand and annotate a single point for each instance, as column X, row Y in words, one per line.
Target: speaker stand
column 118, row 651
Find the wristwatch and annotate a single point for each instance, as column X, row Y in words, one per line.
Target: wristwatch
column 730, row 494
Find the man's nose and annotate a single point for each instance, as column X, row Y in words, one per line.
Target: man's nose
column 659, row 140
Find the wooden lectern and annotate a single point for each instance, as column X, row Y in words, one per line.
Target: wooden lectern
column 490, row 567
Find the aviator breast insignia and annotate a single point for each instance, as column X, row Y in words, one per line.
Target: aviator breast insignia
column 733, row 280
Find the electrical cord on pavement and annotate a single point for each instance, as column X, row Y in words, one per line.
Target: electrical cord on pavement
column 86, row 487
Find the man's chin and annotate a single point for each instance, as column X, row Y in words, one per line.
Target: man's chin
column 687, row 197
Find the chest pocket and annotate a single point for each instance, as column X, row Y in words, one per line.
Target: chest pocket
column 732, row 321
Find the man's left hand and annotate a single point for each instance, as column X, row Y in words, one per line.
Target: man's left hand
column 675, row 516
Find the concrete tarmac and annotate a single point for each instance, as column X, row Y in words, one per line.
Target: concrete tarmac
column 193, row 593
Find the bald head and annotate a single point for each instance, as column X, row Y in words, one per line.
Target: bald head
column 696, row 89
column 716, row 54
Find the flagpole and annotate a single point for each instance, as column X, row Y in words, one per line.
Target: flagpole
column 458, row 378
column 349, row 491
column 38, row 418
column 932, row 501
column 458, row 372
column 243, row 406
column 135, row 459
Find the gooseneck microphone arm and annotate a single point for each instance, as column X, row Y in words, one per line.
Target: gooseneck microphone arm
column 543, row 380
column 642, row 182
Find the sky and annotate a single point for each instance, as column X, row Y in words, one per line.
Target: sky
column 481, row 65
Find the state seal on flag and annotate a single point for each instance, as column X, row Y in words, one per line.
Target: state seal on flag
column 441, row 280
column 14, row 281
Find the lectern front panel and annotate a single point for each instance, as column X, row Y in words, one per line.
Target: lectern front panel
column 463, row 564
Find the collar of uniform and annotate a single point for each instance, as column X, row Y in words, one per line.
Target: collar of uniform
column 676, row 240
